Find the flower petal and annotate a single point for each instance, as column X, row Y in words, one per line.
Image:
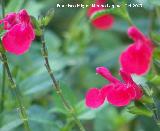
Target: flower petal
column 10, row 20
column 23, row 16
column 135, row 34
column 92, row 10
column 106, row 89
column 94, row 98
column 134, row 90
column 18, row 39
column 126, row 76
column 136, row 59
column 139, row 93
column 104, row 22
column 119, row 96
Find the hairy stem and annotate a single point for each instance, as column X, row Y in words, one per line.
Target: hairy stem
column 67, row 106
column 3, row 88
column 125, row 15
column 13, row 87
column 3, row 68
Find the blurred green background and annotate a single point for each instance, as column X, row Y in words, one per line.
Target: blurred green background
column 75, row 50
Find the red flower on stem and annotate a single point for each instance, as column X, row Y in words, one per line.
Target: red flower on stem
column 117, row 93
column 19, row 32
column 103, row 22
column 136, row 59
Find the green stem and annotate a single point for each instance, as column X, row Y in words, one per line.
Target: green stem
column 151, row 22
column 23, row 114
column 158, row 13
column 3, row 9
column 124, row 13
column 3, row 68
column 3, row 88
column 67, row 106
column 128, row 18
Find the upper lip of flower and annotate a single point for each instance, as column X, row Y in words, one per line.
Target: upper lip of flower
column 104, row 72
column 137, row 57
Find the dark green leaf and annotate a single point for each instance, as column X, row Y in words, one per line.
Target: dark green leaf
column 140, row 111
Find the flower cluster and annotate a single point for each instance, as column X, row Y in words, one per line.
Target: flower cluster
column 136, row 59
column 19, row 32
column 104, row 22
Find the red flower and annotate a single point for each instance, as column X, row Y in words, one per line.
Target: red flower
column 117, row 93
column 20, row 33
column 137, row 57
column 103, row 22
column 94, row 98
column 100, row 2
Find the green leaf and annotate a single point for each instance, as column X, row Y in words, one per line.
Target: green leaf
column 9, row 121
column 119, row 11
column 52, row 40
column 140, row 111
column 44, row 20
column 146, row 100
column 69, row 96
column 40, row 85
column 2, row 33
column 85, row 113
column 14, row 5
column 155, row 79
column 48, row 17
column 155, row 37
column 1, row 27
column 41, row 119
column 36, row 25
column 110, row 118
column 10, row 126
column 1, row 48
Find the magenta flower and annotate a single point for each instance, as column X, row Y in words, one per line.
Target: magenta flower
column 117, row 93
column 101, row 2
column 20, row 34
column 136, row 59
column 104, row 22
